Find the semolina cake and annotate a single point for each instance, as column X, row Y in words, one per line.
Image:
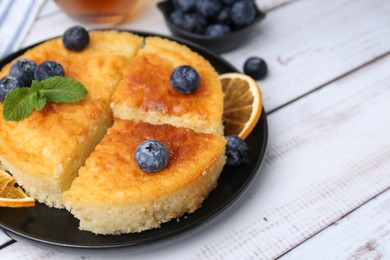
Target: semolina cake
column 64, row 156
column 145, row 93
column 45, row 150
column 112, row 195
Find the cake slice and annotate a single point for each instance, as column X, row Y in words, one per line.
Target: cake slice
column 45, row 150
column 112, row 195
column 145, row 93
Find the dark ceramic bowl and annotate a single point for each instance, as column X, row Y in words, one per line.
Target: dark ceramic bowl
column 218, row 44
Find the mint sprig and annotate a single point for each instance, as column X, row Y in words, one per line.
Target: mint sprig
column 62, row 90
column 20, row 102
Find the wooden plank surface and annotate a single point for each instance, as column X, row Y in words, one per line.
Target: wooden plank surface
column 268, row 5
column 310, row 42
column 27, row 251
column 364, row 234
column 4, row 238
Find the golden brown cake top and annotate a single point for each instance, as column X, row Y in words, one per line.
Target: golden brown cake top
column 44, row 140
column 146, row 84
column 112, row 176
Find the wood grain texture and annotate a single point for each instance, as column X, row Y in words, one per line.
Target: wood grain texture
column 3, row 238
column 310, row 42
column 364, row 234
column 268, row 5
column 27, row 251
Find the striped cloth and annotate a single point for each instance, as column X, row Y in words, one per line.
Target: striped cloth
column 16, row 17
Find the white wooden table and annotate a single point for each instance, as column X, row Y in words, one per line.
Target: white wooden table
column 324, row 189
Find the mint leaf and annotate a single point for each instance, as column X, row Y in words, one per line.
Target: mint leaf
column 62, row 89
column 17, row 104
column 37, row 100
column 37, row 85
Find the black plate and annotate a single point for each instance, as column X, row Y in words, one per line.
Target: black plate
column 59, row 228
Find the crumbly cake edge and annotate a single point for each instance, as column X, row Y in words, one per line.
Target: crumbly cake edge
column 132, row 218
column 154, row 117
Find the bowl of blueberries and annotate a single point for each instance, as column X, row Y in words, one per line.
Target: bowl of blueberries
column 219, row 25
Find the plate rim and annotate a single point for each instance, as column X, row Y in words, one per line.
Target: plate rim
column 205, row 221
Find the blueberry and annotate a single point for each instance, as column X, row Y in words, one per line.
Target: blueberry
column 256, row 68
column 151, row 156
column 185, row 79
column 208, row 8
column 184, row 5
column 236, row 150
column 224, row 16
column 23, row 69
column 217, row 30
column 48, row 69
column 177, row 17
column 228, row 2
column 193, row 23
column 75, row 38
column 7, row 84
column 243, row 13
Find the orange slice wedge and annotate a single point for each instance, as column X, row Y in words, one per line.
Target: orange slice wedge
column 242, row 104
column 12, row 195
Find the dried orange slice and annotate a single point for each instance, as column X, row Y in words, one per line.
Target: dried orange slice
column 242, row 104
column 5, row 179
column 11, row 195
